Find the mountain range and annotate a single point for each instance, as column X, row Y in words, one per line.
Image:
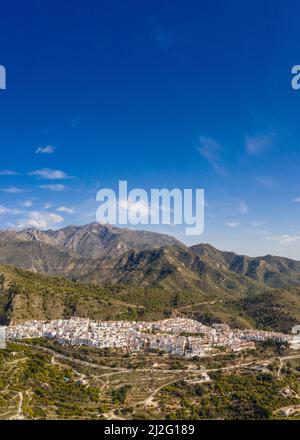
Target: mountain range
column 156, row 273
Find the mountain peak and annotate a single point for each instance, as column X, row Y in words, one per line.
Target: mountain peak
column 93, row 240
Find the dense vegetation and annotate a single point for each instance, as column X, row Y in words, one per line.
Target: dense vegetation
column 47, row 389
column 232, row 397
column 40, row 379
column 26, row 295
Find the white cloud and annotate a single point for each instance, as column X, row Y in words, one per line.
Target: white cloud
column 53, row 187
column 48, row 205
column 4, row 210
column 285, row 239
column 232, row 224
column 266, row 181
column 211, row 151
column 49, row 149
column 66, row 210
column 39, row 220
column 257, row 224
column 8, row 173
column 140, row 207
column 8, row 211
column 259, row 144
column 260, row 232
column 48, row 174
column 27, row 203
column 242, row 208
column 296, row 200
column 14, row 190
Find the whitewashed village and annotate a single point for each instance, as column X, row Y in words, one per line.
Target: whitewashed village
column 174, row 336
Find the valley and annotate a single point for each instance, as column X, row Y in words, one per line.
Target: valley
column 41, row 379
column 98, row 273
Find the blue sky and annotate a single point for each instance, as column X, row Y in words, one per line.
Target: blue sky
column 159, row 93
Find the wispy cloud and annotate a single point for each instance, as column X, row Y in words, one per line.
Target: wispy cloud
column 8, row 211
column 257, row 224
column 49, row 149
column 49, row 174
column 266, row 181
column 242, row 208
column 285, row 239
column 4, row 210
column 133, row 207
column 39, row 220
column 48, row 205
column 139, row 208
column 8, row 173
column 66, row 210
column 14, row 190
column 296, row 200
column 259, row 144
column 232, row 224
column 53, row 187
column 27, row 203
column 211, row 151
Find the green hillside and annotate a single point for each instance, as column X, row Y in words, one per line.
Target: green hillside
column 25, row 295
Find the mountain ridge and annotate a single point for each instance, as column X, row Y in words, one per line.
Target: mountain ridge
column 154, row 272
column 97, row 252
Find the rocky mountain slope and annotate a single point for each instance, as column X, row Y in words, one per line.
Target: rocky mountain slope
column 271, row 270
column 93, row 240
column 154, row 273
column 105, row 254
